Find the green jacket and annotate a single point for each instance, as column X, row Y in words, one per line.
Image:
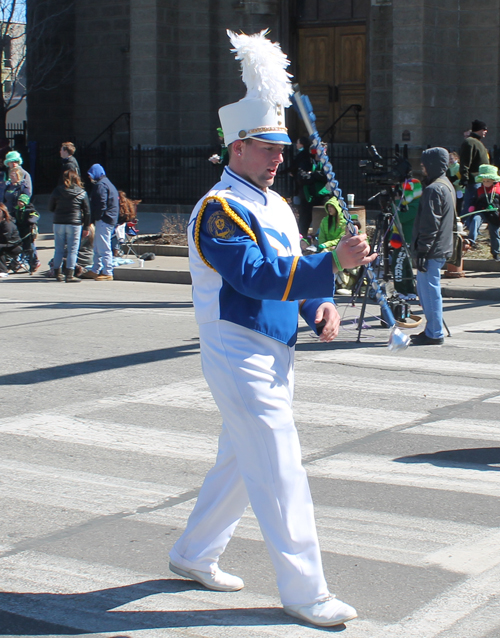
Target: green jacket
column 330, row 232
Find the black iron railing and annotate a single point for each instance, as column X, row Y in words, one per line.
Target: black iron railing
column 182, row 174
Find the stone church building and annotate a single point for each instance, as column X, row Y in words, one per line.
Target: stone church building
column 403, row 71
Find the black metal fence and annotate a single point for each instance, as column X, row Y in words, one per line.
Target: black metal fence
column 182, row 174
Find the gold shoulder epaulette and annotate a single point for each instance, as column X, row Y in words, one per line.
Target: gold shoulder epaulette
column 229, row 212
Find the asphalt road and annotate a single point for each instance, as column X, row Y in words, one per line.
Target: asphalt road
column 107, row 429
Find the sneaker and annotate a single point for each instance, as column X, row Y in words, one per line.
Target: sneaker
column 423, row 340
column 496, row 257
column 89, row 274
column 216, row 580
column 104, row 278
column 4, row 274
column 37, row 265
column 325, row 613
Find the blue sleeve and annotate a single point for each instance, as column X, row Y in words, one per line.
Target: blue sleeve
column 253, row 268
column 309, row 307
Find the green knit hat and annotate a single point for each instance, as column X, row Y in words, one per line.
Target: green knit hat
column 487, row 171
column 25, row 199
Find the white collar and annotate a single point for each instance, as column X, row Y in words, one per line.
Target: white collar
column 248, row 190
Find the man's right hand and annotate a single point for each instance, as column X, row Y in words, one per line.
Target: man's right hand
column 353, row 251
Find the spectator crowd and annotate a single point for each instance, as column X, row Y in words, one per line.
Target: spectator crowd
column 86, row 240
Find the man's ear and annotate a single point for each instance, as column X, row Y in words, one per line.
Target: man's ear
column 237, row 146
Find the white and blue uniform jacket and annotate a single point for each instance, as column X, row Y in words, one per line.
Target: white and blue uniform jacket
column 246, row 263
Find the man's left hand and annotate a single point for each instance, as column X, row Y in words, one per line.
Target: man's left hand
column 422, row 262
column 328, row 314
column 353, row 251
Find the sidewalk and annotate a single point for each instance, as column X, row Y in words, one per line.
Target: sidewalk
column 482, row 280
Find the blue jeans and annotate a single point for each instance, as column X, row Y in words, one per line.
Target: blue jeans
column 469, row 196
column 429, row 293
column 66, row 235
column 474, row 226
column 103, row 254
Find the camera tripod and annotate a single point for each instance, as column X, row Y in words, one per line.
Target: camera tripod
column 386, row 219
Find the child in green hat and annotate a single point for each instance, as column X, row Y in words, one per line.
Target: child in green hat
column 27, row 219
column 485, row 207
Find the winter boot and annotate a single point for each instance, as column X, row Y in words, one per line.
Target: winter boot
column 70, row 276
column 58, row 274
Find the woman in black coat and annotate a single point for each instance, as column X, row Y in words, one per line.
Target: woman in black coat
column 70, row 205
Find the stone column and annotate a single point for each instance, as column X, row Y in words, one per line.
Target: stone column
column 408, row 68
column 143, row 71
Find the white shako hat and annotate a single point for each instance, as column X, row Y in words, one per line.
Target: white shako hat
column 260, row 115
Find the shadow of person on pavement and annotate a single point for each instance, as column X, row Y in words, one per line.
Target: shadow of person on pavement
column 486, row 458
column 97, row 611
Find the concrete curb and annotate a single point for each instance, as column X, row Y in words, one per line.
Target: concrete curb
column 482, row 265
column 163, row 250
column 152, row 275
column 481, row 294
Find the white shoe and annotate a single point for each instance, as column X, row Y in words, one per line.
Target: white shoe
column 217, row 580
column 325, row 613
column 4, row 274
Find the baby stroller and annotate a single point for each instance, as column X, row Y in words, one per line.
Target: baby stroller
column 26, row 219
column 26, row 260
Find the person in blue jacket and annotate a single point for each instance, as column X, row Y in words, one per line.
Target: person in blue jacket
column 104, row 210
column 250, row 282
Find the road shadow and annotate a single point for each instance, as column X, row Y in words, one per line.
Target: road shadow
column 93, row 612
column 81, row 368
column 468, row 458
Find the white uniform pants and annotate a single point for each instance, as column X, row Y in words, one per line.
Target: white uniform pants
column 259, row 459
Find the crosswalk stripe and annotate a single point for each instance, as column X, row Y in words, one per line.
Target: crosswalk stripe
column 493, row 399
column 459, row 428
column 377, row 536
column 481, row 622
column 101, row 598
column 98, row 494
column 446, row 393
column 449, row 609
column 488, row 325
column 195, row 395
column 167, row 312
column 384, row 469
column 112, row 436
column 404, row 361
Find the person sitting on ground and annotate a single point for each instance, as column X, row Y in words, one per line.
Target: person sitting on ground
column 332, row 227
column 487, row 205
column 27, row 218
column 85, row 257
column 331, row 230
column 127, row 214
column 10, row 241
column 14, row 160
column 14, row 188
column 70, row 205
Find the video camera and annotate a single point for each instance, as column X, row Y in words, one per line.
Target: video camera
column 384, row 173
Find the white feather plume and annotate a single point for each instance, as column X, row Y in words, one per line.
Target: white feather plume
column 263, row 67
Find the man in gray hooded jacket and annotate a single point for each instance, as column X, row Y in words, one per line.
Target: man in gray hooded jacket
column 432, row 242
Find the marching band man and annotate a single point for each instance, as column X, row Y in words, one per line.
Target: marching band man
column 249, row 284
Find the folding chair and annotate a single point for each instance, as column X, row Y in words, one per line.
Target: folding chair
column 125, row 235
